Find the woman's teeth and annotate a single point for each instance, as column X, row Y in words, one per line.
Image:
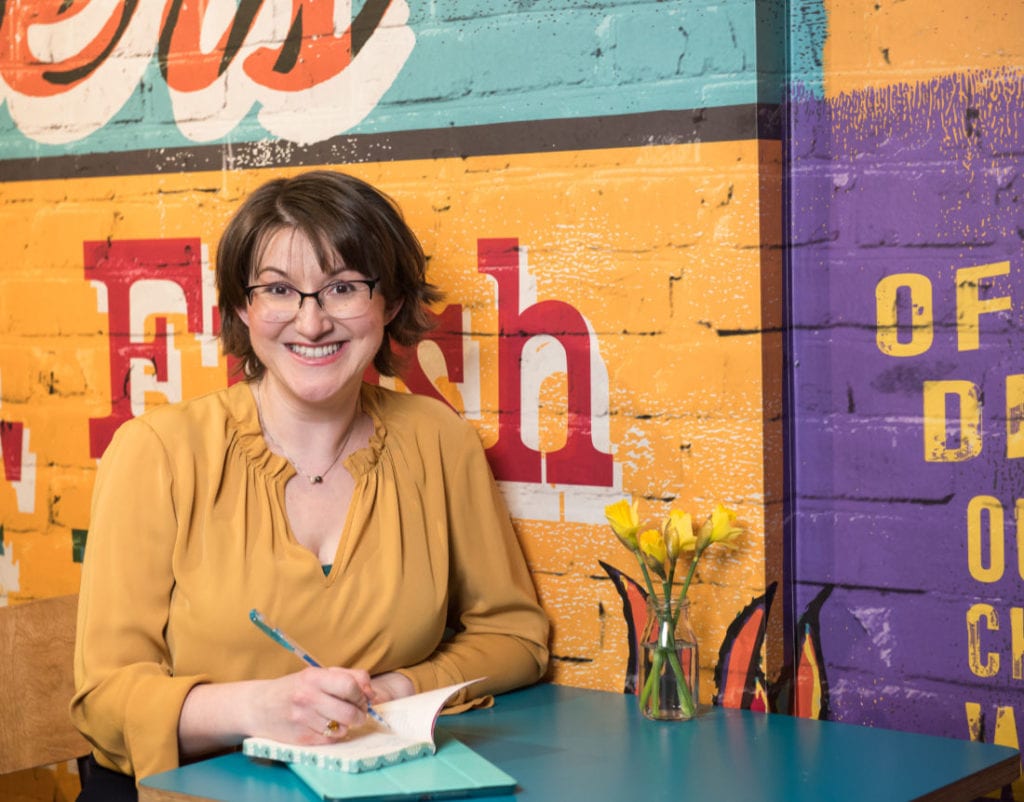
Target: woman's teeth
column 314, row 351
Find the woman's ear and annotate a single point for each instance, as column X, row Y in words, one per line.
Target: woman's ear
column 389, row 314
column 243, row 314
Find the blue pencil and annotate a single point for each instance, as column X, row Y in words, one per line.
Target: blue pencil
column 283, row 640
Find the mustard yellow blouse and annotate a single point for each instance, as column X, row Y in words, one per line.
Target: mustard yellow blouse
column 188, row 533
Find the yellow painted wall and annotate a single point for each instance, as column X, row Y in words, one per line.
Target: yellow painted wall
column 882, row 43
column 657, row 247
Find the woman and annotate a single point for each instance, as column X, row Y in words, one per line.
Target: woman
column 363, row 522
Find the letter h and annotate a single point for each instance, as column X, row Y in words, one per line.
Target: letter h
column 578, row 462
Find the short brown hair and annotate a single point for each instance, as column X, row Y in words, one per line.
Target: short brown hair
column 340, row 216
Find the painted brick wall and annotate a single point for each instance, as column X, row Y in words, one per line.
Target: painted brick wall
column 625, row 145
column 906, row 154
column 452, row 64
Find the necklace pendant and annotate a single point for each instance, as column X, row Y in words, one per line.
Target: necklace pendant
column 316, row 480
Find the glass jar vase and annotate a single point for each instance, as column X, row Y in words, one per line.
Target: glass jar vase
column 668, row 677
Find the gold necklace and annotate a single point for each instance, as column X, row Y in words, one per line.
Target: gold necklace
column 313, row 478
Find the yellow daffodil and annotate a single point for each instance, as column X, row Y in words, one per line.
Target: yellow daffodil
column 625, row 522
column 719, row 528
column 723, row 529
column 678, row 532
column 652, row 549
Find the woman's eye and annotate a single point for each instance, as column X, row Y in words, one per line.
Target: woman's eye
column 280, row 290
column 341, row 288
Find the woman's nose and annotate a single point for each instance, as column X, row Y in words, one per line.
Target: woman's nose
column 312, row 320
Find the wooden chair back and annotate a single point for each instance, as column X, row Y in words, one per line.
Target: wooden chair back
column 37, row 644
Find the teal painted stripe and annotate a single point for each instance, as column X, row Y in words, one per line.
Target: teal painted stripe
column 481, row 62
column 559, row 61
column 808, row 27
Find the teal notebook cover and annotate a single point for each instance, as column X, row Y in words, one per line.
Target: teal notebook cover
column 454, row 770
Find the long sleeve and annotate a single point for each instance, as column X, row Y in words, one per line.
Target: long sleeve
column 127, row 703
column 499, row 630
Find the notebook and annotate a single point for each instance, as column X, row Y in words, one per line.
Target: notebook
column 454, row 770
column 409, row 734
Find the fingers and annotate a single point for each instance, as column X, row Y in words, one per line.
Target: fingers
column 389, row 686
column 299, row 708
column 349, row 684
column 339, row 698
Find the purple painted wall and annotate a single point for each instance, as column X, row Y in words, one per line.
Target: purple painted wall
column 927, row 181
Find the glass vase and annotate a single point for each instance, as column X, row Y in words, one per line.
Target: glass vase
column 668, row 677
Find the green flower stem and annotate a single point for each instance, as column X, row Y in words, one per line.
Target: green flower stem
column 647, row 575
column 669, row 580
column 686, row 587
column 671, row 649
column 652, row 678
column 652, row 682
column 650, row 686
column 681, row 687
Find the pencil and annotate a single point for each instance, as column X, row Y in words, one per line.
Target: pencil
column 283, row 640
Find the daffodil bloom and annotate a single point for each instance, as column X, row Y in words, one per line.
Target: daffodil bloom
column 678, row 532
column 722, row 527
column 703, row 536
column 625, row 522
column 652, row 549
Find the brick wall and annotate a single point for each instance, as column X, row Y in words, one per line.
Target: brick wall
column 905, row 241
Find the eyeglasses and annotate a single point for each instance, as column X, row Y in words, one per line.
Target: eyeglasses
column 280, row 302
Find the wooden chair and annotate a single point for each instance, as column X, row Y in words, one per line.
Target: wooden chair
column 37, row 643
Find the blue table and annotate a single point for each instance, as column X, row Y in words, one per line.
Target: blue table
column 564, row 743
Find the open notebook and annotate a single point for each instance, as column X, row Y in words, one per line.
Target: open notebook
column 409, row 734
column 399, row 761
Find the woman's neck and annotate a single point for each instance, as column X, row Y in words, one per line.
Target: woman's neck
column 313, row 437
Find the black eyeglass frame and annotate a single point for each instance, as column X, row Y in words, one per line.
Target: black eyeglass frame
column 371, row 285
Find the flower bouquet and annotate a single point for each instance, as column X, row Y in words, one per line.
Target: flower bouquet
column 668, row 650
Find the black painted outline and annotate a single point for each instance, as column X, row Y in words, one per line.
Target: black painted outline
column 686, row 126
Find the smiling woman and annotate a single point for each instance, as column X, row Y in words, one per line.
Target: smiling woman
column 306, row 353
column 341, row 223
column 326, row 503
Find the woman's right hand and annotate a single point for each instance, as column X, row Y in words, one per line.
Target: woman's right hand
column 312, row 706
column 296, row 708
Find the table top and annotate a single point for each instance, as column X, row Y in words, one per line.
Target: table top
column 568, row 743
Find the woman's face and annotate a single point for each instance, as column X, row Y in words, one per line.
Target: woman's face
column 314, row 358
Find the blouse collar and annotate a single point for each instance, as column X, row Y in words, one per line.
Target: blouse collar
column 241, row 402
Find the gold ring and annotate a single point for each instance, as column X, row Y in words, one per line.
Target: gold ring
column 331, row 728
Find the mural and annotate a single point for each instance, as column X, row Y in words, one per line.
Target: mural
column 907, row 279
column 569, row 403
column 800, row 688
column 123, row 76
column 598, row 190
column 313, row 70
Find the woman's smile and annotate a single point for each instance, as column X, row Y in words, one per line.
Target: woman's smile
column 314, row 351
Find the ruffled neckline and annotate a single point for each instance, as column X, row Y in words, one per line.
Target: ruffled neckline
column 365, row 459
column 241, row 403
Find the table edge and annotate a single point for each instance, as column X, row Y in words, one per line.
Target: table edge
column 982, row 782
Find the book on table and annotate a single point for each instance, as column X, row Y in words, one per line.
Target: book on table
column 402, row 759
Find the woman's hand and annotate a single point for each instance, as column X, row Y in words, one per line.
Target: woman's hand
column 297, row 708
column 313, row 706
column 391, row 685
